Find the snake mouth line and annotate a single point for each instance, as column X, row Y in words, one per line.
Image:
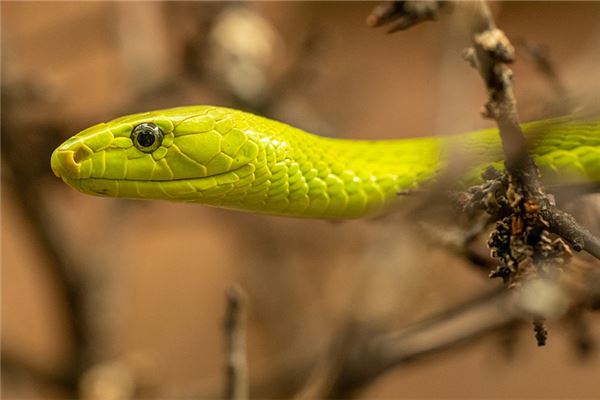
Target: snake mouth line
column 152, row 180
column 115, row 187
column 144, row 180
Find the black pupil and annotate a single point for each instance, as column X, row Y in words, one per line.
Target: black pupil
column 146, row 138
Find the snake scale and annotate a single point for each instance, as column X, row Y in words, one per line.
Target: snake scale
column 229, row 158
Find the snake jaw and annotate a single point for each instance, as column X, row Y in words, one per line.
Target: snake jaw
column 208, row 190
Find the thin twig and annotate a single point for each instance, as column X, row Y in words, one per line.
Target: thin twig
column 407, row 13
column 361, row 353
column 578, row 236
column 20, row 366
column 236, row 368
column 60, row 264
column 490, row 55
column 540, row 56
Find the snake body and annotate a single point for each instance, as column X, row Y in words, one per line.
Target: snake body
column 229, row 158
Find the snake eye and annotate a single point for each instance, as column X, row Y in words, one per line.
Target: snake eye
column 147, row 137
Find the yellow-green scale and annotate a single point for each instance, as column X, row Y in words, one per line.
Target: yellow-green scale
column 296, row 173
column 311, row 176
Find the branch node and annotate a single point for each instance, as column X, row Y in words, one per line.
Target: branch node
column 489, row 110
column 496, row 44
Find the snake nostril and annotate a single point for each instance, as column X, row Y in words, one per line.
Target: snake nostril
column 68, row 160
column 81, row 154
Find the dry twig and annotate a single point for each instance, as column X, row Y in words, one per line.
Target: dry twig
column 490, row 54
column 526, row 214
column 405, row 14
column 540, row 56
column 236, row 368
column 23, row 175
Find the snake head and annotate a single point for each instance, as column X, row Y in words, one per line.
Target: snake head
column 180, row 154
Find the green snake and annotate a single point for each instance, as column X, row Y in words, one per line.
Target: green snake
column 233, row 159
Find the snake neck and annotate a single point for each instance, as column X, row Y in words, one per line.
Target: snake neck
column 303, row 175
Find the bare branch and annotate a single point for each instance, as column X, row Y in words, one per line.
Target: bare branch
column 236, row 368
column 14, row 365
column 22, row 173
column 360, row 354
column 540, row 56
column 565, row 225
column 491, row 53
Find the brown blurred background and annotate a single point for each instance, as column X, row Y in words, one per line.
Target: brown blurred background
column 140, row 312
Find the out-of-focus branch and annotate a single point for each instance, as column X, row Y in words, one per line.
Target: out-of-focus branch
column 19, row 366
column 236, row 368
column 21, row 172
column 405, row 14
column 361, row 354
column 540, row 56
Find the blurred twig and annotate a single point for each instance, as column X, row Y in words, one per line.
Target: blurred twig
column 236, row 368
column 360, row 354
column 406, row 13
column 490, row 55
column 540, row 56
column 18, row 365
column 26, row 187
